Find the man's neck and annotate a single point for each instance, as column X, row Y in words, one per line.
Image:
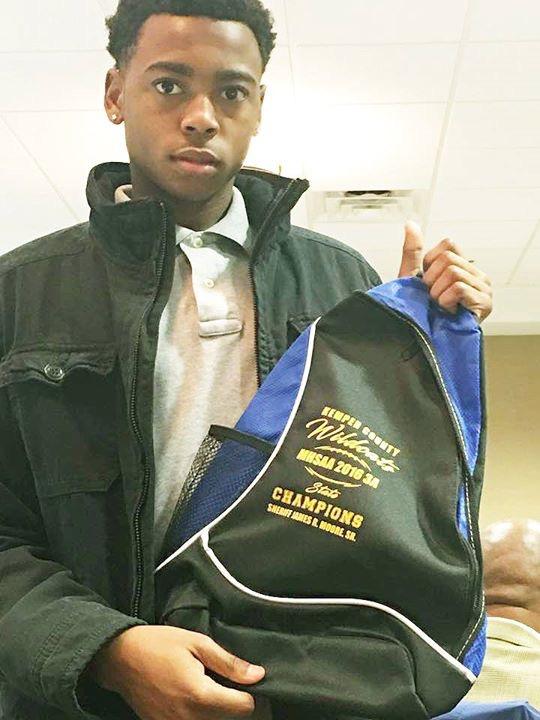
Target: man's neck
column 195, row 215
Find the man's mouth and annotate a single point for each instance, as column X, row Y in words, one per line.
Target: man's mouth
column 196, row 168
column 196, row 162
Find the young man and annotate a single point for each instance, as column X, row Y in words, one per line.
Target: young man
column 124, row 338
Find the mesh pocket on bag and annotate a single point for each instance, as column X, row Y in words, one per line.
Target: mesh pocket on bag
column 225, row 465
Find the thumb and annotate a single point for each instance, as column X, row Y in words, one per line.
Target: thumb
column 216, row 658
column 411, row 259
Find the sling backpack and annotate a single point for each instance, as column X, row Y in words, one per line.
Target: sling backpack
column 332, row 535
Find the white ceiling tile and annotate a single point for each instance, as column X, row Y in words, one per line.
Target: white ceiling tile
column 270, row 153
column 498, row 265
column 483, row 234
column 109, row 6
column 380, row 243
column 535, row 242
column 386, row 255
column 275, row 148
column 528, row 271
column 516, row 20
column 370, row 147
column 516, row 310
column 494, row 125
column 500, row 71
column 75, row 143
column 54, row 25
column 503, row 204
column 300, row 213
column 385, row 263
column 358, row 22
column 279, row 82
column 53, row 81
column 397, row 73
column 387, row 237
column 277, row 8
column 264, row 155
column 483, row 168
column 29, row 205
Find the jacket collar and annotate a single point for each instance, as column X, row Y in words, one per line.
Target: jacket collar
column 233, row 225
column 130, row 231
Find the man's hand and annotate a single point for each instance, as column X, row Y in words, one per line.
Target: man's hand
column 160, row 673
column 452, row 280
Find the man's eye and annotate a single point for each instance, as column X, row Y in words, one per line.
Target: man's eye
column 235, row 94
column 168, row 87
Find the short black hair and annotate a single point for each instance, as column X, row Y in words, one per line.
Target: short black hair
column 124, row 26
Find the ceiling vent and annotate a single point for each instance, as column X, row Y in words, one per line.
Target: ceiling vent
column 367, row 205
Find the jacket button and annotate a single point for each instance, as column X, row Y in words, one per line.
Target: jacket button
column 53, row 372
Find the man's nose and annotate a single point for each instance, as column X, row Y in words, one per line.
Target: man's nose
column 199, row 117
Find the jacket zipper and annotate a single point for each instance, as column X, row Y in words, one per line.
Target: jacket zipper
column 256, row 324
column 434, row 363
column 139, row 571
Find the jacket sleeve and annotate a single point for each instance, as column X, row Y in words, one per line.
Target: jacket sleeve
column 50, row 625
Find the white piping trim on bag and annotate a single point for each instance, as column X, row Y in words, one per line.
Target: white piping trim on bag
column 299, row 396
column 338, row 601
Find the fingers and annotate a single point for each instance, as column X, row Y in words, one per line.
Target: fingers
column 469, row 297
column 445, row 245
column 216, row 658
column 454, row 281
column 411, row 258
column 210, row 696
column 451, row 275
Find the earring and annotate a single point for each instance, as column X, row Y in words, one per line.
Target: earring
column 114, row 117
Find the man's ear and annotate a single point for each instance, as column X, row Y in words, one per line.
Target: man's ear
column 114, row 94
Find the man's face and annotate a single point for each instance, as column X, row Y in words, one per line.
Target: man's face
column 210, row 101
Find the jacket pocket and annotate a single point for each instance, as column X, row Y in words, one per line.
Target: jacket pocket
column 52, row 366
column 63, row 400
column 99, row 482
column 70, row 411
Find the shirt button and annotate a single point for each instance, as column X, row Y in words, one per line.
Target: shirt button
column 209, row 283
column 197, row 242
column 53, row 372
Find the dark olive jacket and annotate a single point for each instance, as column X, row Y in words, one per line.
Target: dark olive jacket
column 79, row 318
